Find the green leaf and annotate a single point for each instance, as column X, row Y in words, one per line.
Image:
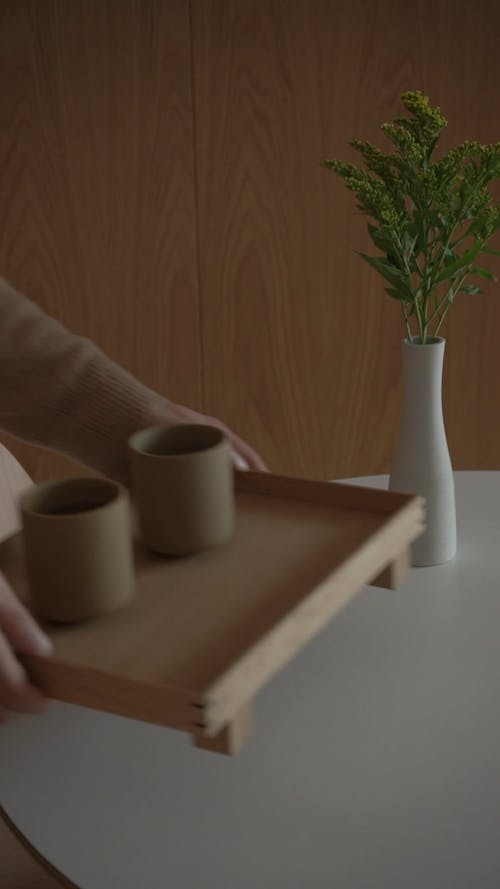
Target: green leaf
column 412, row 229
column 461, row 262
column 437, row 220
column 391, row 274
column 381, row 238
column 409, row 243
column 484, row 273
column 475, row 226
column 469, row 288
column 396, row 294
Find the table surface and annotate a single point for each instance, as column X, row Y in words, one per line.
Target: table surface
column 376, row 764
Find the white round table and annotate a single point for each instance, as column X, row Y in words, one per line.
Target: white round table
column 376, row 764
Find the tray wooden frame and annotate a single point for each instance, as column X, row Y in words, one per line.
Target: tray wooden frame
column 215, row 705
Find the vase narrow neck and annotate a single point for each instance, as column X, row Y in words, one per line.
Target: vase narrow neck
column 422, row 375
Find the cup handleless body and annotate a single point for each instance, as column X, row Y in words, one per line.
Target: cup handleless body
column 77, row 540
column 183, row 484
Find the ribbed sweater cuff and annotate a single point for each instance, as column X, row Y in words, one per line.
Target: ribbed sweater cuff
column 100, row 410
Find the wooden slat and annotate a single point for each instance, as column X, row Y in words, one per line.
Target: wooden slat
column 335, row 494
column 162, row 705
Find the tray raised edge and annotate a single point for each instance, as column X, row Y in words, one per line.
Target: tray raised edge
column 208, row 711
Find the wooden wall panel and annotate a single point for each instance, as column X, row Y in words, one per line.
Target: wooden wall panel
column 96, row 182
column 301, row 344
column 128, row 129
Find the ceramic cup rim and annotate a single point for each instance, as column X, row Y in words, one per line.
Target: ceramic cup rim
column 212, row 439
column 111, row 492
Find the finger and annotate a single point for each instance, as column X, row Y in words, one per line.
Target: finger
column 239, row 462
column 16, row 691
column 243, row 456
column 20, row 628
column 243, row 452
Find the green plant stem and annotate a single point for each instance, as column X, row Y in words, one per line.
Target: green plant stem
column 447, row 299
column 421, row 326
column 436, row 332
column 438, row 306
column 426, row 290
column 415, row 302
column 410, row 337
column 443, row 316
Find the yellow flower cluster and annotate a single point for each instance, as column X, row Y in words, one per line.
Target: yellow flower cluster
column 433, row 217
column 417, row 104
column 408, row 144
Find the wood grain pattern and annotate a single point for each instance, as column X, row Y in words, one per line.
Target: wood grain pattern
column 301, row 344
column 143, row 140
column 96, row 182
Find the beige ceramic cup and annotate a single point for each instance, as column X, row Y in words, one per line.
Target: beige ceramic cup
column 183, row 483
column 78, row 547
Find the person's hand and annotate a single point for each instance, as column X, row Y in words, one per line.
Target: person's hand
column 244, row 457
column 20, row 633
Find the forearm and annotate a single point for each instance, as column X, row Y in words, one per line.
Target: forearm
column 61, row 391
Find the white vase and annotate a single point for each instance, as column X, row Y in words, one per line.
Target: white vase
column 421, row 463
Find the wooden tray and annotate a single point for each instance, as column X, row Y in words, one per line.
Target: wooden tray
column 204, row 633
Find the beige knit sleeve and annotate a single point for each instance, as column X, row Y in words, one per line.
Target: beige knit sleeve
column 59, row 390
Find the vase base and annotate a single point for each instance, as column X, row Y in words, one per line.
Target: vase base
column 429, row 561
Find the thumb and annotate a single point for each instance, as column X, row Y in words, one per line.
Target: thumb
column 18, row 626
